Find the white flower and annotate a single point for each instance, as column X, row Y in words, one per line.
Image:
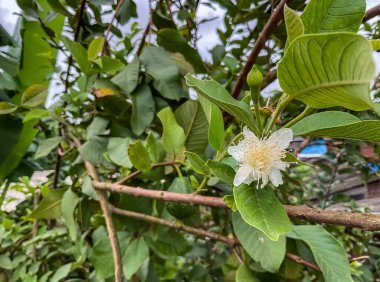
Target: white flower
column 260, row 159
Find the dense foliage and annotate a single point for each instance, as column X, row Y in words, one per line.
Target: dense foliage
column 90, row 101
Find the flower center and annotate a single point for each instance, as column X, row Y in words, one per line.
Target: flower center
column 262, row 156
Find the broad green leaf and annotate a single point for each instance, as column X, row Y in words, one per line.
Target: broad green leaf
column 18, row 149
column 110, row 65
column 79, row 54
column 294, row 25
column 191, row 117
column 127, row 11
column 164, row 72
column 135, row 255
column 230, row 202
column 61, row 272
column 58, row 7
column 35, row 95
column 375, row 44
column 173, row 136
column 88, row 189
column 143, row 108
column 338, row 125
column 118, row 151
column 333, row 15
column 268, row 253
column 221, row 170
column 328, row 252
column 245, row 274
column 218, row 95
column 261, row 209
column 172, row 41
column 7, row 108
column 68, row 205
column 183, row 66
column 127, row 79
column 154, row 148
column 94, row 149
column 216, row 123
column 95, row 48
column 50, row 206
column 179, row 210
column 5, row 38
column 98, row 126
column 35, row 114
column 196, row 162
column 328, row 70
column 6, row 262
column 290, row 158
column 46, row 146
column 139, row 156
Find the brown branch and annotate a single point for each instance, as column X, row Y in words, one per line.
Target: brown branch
column 300, row 260
column 145, row 34
column 371, row 13
column 138, row 172
column 230, row 241
column 176, row 225
column 274, row 19
column 107, row 211
column 117, row 10
column 361, row 220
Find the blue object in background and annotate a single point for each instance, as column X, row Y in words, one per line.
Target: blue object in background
column 317, row 148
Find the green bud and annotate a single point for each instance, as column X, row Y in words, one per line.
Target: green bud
column 254, row 78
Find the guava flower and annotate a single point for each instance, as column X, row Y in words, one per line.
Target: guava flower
column 260, row 159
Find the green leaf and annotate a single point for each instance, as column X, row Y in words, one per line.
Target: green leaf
column 127, row 79
column 127, row 11
column 18, row 149
column 79, row 54
column 46, row 146
column 58, row 7
column 139, row 156
column 294, row 25
column 216, row 123
column 338, row 125
column 95, row 48
column 88, row 189
column 178, row 210
column 6, row 262
column 268, row 253
column 50, row 206
column 143, row 108
column 110, row 65
column 290, row 158
column 7, row 108
column 245, row 274
column 192, row 119
column 221, row 170
column 135, row 255
column 69, row 202
column 197, row 163
column 230, row 202
column 61, row 272
column 328, row 70
column 333, row 15
column 118, row 151
column 164, row 72
column 154, row 148
column 375, row 44
column 261, row 209
column 217, row 94
column 328, row 252
column 173, row 137
column 5, row 38
column 34, row 96
column 35, row 114
column 172, row 41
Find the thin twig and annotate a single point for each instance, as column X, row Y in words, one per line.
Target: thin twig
column 300, row 260
column 61, row 130
column 138, row 172
column 364, row 221
column 145, row 34
column 274, row 19
column 371, row 13
column 107, row 211
column 117, row 10
column 36, row 201
column 230, row 241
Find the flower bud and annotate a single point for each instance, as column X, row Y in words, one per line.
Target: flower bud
column 254, row 78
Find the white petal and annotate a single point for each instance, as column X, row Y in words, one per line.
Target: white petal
column 281, row 138
column 264, row 179
column 236, row 152
column 249, row 134
column 281, row 165
column 275, row 177
column 243, row 175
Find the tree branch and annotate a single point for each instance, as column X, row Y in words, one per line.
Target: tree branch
column 371, row 13
column 107, row 211
column 117, row 10
column 360, row 220
column 145, row 34
column 274, row 19
column 230, row 241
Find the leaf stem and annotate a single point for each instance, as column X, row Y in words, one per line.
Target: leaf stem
column 258, row 117
column 308, row 110
column 284, row 101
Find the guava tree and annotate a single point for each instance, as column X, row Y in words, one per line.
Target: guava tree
column 144, row 183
